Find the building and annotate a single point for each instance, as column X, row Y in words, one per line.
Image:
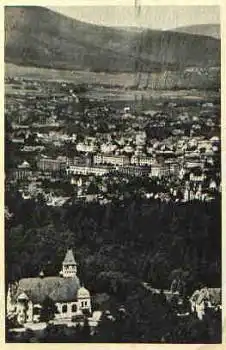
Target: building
column 132, row 170
column 82, row 147
column 141, row 160
column 24, row 300
column 205, row 298
column 23, row 171
column 111, row 159
column 173, row 167
column 159, row 170
column 85, row 159
column 197, row 178
column 87, row 170
column 49, row 164
column 33, row 148
column 141, row 138
column 107, row 148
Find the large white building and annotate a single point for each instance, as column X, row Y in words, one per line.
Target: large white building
column 111, row 159
column 82, row 147
column 142, row 160
column 86, row 170
column 24, row 300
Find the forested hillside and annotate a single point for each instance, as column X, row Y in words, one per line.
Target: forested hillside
column 117, row 244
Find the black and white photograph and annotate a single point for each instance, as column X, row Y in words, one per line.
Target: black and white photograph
column 112, row 174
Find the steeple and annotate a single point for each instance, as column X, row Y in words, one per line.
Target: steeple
column 69, row 266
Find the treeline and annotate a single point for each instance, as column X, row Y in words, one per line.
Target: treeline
column 116, row 245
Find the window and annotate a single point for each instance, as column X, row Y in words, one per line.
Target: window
column 74, row 308
column 36, row 311
column 64, row 309
column 84, row 303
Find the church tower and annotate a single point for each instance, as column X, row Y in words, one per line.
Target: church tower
column 69, row 266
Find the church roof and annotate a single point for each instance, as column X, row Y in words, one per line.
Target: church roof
column 57, row 288
column 69, row 258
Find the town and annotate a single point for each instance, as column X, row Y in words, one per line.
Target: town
column 69, row 153
column 68, row 148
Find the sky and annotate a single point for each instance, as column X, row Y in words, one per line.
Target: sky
column 155, row 17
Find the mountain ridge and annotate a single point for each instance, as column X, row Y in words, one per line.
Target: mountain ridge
column 40, row 37
column 212, row 30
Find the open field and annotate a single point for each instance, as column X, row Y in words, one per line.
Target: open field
column 78, row 77
column 155, row 81
column 104, row 86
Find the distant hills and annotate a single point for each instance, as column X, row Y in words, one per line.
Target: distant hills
column 37, row 36
column 212, row 30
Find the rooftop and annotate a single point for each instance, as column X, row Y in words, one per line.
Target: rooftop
column 69, row 258
column 57, row 288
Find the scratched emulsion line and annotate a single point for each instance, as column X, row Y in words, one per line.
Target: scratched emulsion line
column 143, row 72
column 138, row 66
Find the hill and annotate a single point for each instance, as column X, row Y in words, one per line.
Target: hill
column 212, row 30
column 37, row 36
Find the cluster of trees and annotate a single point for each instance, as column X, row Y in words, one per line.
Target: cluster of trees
column 135, row 240
column 118, row 246
column 150, row 318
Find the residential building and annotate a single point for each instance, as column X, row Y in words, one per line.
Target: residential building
column 49, row 164
column 133, row 170
column 111, row 159
column 81, row 147
column 159, row 170
column 23, row 171
column 205, row 298
column 87, row 170
column 141, row 160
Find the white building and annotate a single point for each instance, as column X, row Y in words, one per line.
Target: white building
column 141, row 138
column 136, row 160
column 82, row 147
column 107, row 148
column 111, row 159
column 25, row 299
column 205, row 298
column 86, row 170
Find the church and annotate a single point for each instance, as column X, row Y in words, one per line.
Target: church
column 24, row 300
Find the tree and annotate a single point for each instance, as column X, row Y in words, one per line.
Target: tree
column 48, row 310
column 105, row 331
column 85, row 332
